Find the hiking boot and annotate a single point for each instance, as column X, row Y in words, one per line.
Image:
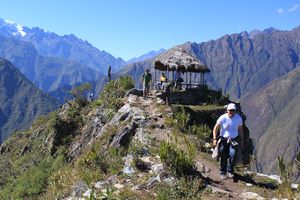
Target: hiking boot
column 230, row 175
column 223, row 176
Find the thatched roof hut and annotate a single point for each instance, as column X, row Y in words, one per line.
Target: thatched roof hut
column 178, row 59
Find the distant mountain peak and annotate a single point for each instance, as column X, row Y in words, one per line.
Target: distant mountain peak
column 257, row 31
column 68, row 47
column 244, row 34
column 254, row 32
column 14, row 28
column 146, row 56
column 270, row 30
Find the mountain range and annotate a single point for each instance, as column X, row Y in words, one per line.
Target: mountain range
column 20, row 100
column 244, row 66
column 68, row 47
column 146, row 56
column 240, row 64
column 47, row 73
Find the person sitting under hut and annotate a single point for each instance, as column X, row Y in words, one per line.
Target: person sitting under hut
column 162, row 80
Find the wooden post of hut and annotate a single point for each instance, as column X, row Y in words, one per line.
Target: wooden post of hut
column 168, row 74
column 190, row 79
column 202, row 78
column 154, row 79
column 186, row 79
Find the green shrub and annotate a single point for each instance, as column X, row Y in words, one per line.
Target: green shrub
column 109, row 194
column 64, row 129
column 93, row 165
column 114, row 156
column 184, row 188
column 180, row 119
column 61, row 182
column 286, row 174
column 179, row 162
column 90, row 175
column 203, row 133
column 74, row 117
column 128, row 193
column 97, row 163
column 33, row 181
column 80, row 92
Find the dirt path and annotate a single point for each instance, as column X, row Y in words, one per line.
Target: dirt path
column 231, row 186
column 228, row 188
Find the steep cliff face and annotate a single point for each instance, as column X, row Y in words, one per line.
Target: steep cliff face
column 274, row 120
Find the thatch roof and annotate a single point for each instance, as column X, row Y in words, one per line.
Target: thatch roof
column 179, row 59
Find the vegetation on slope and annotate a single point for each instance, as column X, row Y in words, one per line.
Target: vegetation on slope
column 33, row 160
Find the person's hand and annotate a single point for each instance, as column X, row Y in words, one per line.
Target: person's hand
column 214, row 142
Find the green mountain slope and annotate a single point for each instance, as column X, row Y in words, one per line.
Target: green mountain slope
column 20, row 100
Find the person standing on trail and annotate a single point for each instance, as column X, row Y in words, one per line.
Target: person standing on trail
column 230, row 125
column 147, row 79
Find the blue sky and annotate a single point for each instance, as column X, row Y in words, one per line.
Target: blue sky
column 130, row 28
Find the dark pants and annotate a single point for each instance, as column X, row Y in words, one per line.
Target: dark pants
column 227, row 155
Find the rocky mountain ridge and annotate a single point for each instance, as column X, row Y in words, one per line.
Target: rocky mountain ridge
column 240, row 64
column 67, row 47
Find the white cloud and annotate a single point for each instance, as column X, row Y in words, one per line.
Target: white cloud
column 294, row 8
column 280, row 10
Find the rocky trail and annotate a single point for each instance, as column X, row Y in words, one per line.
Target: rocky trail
column 142, row 126
column 222, row 189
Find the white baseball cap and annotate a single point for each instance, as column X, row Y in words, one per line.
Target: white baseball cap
column 231, row 106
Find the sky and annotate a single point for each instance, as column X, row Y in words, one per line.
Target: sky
column 131, row 28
